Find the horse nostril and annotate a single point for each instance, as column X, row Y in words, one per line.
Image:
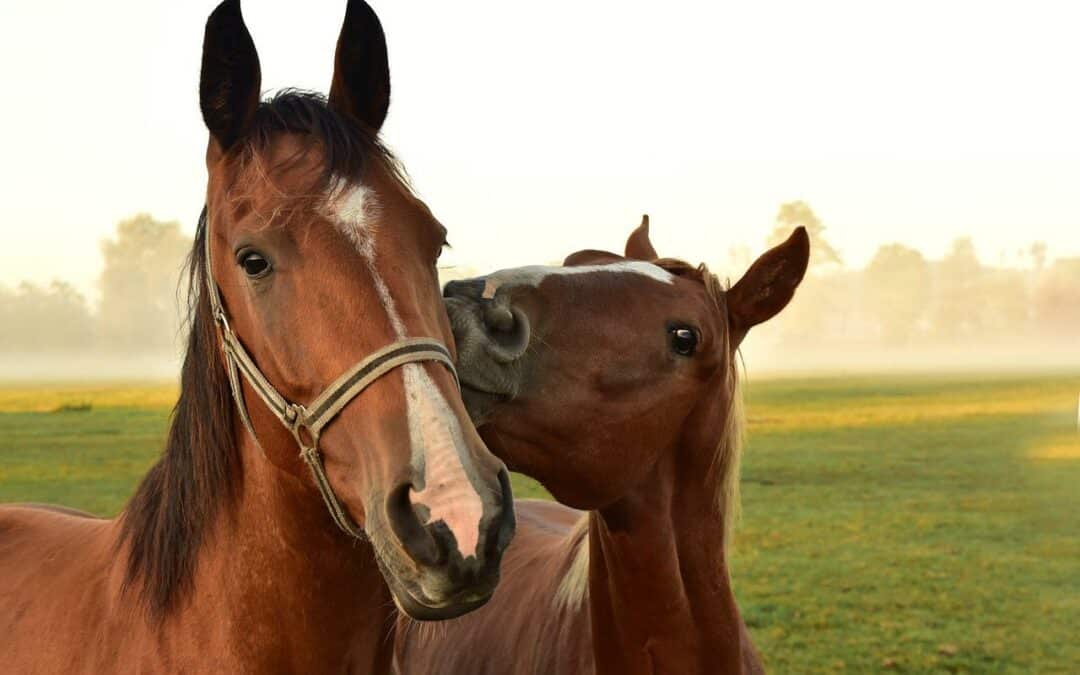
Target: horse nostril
column 503, row 331
column 499, row 318
column 410, row 531
column 504, row 531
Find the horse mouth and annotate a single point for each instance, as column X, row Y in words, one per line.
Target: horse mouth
column 433, row 594
column 417, row 606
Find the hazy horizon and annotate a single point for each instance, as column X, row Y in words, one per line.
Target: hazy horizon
column 918, row 123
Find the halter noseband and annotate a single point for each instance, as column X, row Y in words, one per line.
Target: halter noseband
column 306, row 422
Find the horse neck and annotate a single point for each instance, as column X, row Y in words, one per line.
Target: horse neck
column 659, row 590
column 292, row 587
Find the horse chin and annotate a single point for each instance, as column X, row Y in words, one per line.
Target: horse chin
column 423, row 611
column 413, row 601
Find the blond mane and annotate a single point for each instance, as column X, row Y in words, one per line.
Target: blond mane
column 575, row 582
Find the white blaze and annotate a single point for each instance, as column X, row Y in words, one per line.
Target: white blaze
column 352, row 208
column 534, row 274
column 448, row 493
column 436, row 438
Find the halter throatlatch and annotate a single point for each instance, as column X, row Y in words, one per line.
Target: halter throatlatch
column 307, row 422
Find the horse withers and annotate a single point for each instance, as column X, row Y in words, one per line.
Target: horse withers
column 320, row 466
column 613, row 381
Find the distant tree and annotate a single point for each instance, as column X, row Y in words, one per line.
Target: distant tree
column 53, row 318
column 1038, row 254
column 794, row 214
column 958, row 307
column 826, row 313
column 139, row 309
column 1004, row 296
column 961, row 262
column 1057, row 301
column 896, row 291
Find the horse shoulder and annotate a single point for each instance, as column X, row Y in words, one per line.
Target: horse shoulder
column 55, row 564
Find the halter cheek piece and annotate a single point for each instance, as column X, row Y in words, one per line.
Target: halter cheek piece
column 307, row 422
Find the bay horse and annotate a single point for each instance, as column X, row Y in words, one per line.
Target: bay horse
column 613, row 381
column 275, row 536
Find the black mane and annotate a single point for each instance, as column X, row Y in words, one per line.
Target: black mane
column 166, row 520
column 345, row 144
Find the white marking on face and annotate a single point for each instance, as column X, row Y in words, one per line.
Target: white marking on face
column 438, row 444
column 448, row 494
column 353, row 209
column 534, row 274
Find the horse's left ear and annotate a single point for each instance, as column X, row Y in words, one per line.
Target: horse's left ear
column 361, row 85
column 769, row 284
column 638, row 245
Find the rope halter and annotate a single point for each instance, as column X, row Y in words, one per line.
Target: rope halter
column 306, row 423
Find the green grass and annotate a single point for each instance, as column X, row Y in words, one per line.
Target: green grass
column 898, row 524
column 912, row 524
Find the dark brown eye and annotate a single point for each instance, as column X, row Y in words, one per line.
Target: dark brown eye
column 254, row 265
column 683, row 340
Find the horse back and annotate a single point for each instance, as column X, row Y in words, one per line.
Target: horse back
column 55, row 508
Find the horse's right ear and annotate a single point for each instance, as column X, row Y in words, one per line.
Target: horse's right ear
column 361, row 85
column 638, row 246
column 769, row 284
column 230, row 77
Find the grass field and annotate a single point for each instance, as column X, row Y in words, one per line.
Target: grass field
column 907, row 524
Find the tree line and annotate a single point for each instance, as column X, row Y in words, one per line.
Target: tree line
column 899, row 299
column 138, row 311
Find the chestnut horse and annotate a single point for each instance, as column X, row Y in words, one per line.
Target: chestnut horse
column 613, row 381
column 312, row 259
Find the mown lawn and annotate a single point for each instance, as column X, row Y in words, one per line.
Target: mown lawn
column 896, row 524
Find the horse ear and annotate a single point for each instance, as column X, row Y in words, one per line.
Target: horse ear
column 638, row 245
column 230, row 77
column 769, row 284
column 590, row 257
column 361, row 85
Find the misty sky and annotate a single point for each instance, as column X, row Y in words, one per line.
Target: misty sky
column 535, row 129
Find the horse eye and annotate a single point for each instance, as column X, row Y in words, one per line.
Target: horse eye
column 254, row 265
column 684, row 340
